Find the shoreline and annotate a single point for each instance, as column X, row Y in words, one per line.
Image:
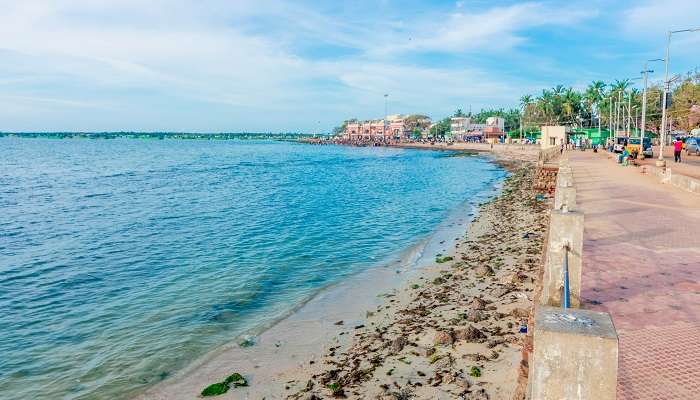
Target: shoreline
column 289, row 350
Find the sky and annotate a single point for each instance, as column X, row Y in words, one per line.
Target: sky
column 305, row 66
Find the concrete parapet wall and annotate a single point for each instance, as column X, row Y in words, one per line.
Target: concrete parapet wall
column 565, row 228
column 575, row 355
column 666, row 175
column 565, row 177
column 565, row 196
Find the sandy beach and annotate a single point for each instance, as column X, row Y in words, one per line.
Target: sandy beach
column 452, row 328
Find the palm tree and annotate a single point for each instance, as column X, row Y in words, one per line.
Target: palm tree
column 544, row 104
column 570, row 105
column 525, row 101
column 594, row 96
column 620, row 86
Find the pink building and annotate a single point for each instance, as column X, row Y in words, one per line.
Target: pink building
column 377, row 130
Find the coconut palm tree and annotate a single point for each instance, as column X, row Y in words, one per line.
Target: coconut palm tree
column 545, row 105
column 570, row 105
column 594, row 96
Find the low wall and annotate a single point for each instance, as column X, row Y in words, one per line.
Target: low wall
column 546, row 178
column 568, row 353
column 667, row 176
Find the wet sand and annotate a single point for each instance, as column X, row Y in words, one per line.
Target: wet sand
column 414, row 328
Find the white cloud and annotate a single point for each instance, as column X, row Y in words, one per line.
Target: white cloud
column 150, row 59
column 495, row 29
column 654, row 18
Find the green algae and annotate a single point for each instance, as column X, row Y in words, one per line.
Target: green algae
column 215, row 389
column 220, row 388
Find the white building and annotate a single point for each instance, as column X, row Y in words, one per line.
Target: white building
column 460, row 126
column 496, row 122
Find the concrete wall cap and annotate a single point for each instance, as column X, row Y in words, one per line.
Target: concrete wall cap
column 575, row 321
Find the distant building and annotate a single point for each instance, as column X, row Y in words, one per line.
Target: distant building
column 496, row 122
column 553, row 136
column 394, row 128
column 462, row 128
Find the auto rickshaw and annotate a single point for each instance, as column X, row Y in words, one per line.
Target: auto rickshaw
column 632, row 147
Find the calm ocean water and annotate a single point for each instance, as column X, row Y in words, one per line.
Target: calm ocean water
column 123, row 260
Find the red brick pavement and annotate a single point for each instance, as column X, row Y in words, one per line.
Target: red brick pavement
column 642, row 265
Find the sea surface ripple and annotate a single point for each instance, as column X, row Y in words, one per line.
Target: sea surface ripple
column 123, row 260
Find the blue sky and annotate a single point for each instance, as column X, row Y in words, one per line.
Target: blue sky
column 270, row 65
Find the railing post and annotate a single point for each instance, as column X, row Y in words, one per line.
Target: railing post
column 566, row 301
column 565, row 239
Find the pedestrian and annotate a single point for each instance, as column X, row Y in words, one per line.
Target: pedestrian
column 677, row 148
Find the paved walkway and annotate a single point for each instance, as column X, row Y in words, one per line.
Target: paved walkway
column 642, row 265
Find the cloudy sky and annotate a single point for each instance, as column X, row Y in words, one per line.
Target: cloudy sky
column 271, row 65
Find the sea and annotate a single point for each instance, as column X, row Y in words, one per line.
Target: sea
column 122, row 261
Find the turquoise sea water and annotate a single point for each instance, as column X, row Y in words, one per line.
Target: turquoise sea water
column 123, row 260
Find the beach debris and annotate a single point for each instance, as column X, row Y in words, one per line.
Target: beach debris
column 398, row 344
column 474, row 316
column 215, row 389
column 482, row 271
column 339, row 323
column 478, row 304
column 336, row 389
column 519, row 313
column 443, row 338
column 475, row 372
column 247, row 341
column 441, row 260
column 438, row 281
column 470, row 334
column 219, row 388
column 461, row 323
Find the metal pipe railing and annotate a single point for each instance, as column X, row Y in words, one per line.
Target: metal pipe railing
column 565, row 302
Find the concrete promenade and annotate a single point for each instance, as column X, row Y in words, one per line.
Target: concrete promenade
column 641, row 263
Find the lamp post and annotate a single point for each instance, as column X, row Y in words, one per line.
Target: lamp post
column 611, row 137
column 661, row 162
column 643, row 125
column 385, row 114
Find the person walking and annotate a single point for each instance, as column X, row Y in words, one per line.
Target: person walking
column 677, row 148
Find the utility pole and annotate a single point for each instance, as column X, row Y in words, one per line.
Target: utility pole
column 667, row 84
column 643, row 125
column 629, row 115
column 521, row 126
column 610, row 122
column 385, row 114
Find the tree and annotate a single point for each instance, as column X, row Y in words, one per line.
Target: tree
column 593, row 97
column 459, row 113
column 339, row 130
column 525, row 101
column 441, row 128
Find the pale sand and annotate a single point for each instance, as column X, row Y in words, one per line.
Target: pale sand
column 391, row 355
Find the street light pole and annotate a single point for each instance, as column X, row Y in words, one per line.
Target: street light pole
column 644, row 105
column 611, row 137
column 661, row 162
column 385, row 114
column 629, row 115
